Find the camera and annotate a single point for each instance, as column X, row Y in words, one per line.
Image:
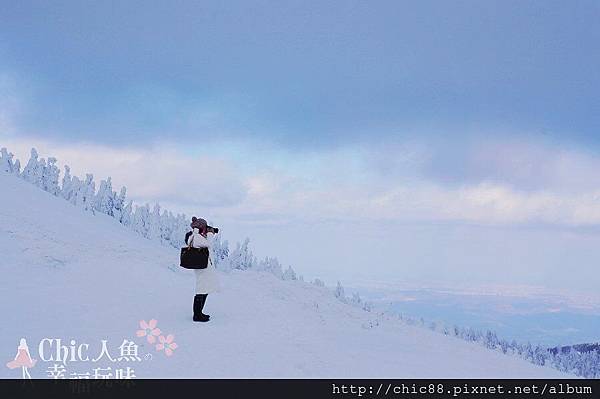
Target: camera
column 211, row 229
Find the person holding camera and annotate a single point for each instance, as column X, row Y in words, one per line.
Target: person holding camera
column 207, row 280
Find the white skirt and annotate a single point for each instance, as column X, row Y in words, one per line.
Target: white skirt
column 207, row 280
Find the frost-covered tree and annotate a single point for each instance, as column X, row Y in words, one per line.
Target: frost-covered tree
column 220, row 251
column 67, row 190
column 318, row 282
column 355, row 299
column 6, row 162
column 76, row 184
column 514, row 346
column 102, row 201
column 491, row 340
column 49, row 178
column 119, row 204
column 539, row 355
column 339, row 292
column 289, row 274
column 17, row 168
column 272, row 266
column 140, row 220
column 178, row 230
column 86, row 193
column 127, row 215
column 166, row 227
column 33, row 170
column 153, row 222
column 241, row 258
column 456, row 331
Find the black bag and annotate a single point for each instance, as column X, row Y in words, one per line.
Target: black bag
column 193, row 258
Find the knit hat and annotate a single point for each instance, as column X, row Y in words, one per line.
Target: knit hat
column 198, row 223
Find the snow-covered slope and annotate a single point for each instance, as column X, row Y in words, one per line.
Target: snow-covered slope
column 72, row 275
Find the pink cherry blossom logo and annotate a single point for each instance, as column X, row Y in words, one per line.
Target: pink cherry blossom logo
column 148, row 330
column 166, row 344
column 151, row 332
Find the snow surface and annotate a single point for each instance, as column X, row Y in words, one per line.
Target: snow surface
column 70, row 274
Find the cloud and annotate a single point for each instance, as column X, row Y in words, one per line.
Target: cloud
column 535, row 164
column 159, row 173
column 521, row 160
column 484, row 203
column 272, row 186
column 488, row 204
column 510, row 182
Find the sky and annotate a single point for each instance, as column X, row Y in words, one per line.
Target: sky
column 430, row 140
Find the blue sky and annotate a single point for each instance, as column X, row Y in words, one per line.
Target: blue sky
column 438, row 113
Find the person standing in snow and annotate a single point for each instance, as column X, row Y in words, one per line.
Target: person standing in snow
column 207, row 280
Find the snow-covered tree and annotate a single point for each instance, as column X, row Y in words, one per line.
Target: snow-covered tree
column 355, row 299
column 318, row 282
column 119, row 204
column 33, row 170
column 49, row 178
column 67, row 190
column 242, row 258
column 76, row 184
column 272, row 266
column 491, row 340
column 289, row 274
column 7, row 164
column 127, row 215
column 339, row 292
column 220, row 251
column 180, row 223
column 103, row 199
column 539, row 355
column 86, row 193
column 154, row 223
column 140, row 220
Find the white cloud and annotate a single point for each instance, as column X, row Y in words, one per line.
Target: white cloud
column 482, row 203
column 335, row 185
column 535, row 164
column 158, row 174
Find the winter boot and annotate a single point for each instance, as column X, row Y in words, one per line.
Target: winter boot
column 199, row 300
column 204, row 296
